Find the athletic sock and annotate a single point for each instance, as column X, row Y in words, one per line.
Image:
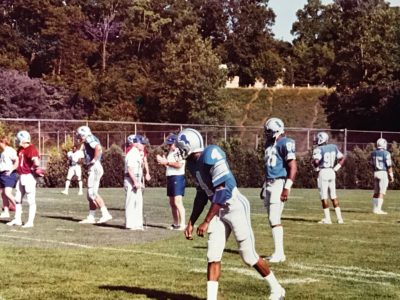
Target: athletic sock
column 92, row 213
column 380, row 203
column 277, row 234
column 374, row 204
column 272, row 281
column 32, row 213
column 18, row 212
column 338, row 213
column 327, row 214
column 212, row 290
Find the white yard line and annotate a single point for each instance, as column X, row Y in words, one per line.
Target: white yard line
column 346, row 273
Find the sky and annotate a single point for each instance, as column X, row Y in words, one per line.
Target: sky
column 285, row 11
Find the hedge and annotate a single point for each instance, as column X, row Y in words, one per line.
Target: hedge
column 246, row 165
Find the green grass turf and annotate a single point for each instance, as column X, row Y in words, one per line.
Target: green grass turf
column 61, row 259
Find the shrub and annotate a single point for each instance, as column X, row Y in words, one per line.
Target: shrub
column 113, row 164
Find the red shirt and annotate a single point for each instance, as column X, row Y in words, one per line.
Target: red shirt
column 26, row 156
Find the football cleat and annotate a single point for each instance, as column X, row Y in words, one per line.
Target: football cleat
column 325, row 221
column 27, row 225
column 340, row 221
column 277, row 294
column 4, row 215
column 104, row 219
column 64, row 192
column 80, row 193
column 14, row 222
column 89, row 220
column 274, row 258
column 380, row 212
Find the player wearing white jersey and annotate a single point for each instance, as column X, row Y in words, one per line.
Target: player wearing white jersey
column 229, row 211
column 327, row 160
column 280, row 172
column 381, row 162
column 75, row 157
column 133, row 184
column 93, row 153
column 8, row 175
column 175, row 172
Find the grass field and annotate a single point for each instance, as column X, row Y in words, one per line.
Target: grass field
column 61, row 259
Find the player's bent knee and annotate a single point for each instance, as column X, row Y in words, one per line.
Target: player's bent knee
column 249, row 257
column 274, row 221
column 91, row 195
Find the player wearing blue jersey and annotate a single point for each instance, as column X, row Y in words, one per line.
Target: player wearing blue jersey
column 93, row 152
column 381, row 162
column 327, row 160
column 229, row 211
column 280, row 172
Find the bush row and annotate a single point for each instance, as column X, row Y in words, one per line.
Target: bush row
column 246, row 165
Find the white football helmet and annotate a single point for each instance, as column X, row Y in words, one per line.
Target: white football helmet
column 189, row 141
column 22, row 137
column 83, row 132
column 273, row 128
column 322, row 138
column 381, row 143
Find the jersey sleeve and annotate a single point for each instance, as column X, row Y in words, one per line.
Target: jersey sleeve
column 219, row 170
column 388, row 160
column 339, row 154
column 92, row 141
column 317, row 154
column 290, row 149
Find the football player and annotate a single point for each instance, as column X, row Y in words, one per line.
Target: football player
column 327, row 160
column 133, row 183
column 93, row 153
column 229, row 211
column 280, row 172
column 382, row 164
column 75, row 158
column 28, row 169
column 175, row 172
column 8, row 175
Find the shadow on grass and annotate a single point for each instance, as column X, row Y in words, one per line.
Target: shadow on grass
column 150, row 293
column 300, row 219
column 65, row 218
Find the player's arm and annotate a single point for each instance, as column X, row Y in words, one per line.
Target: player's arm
column 97, row 153
column 389, row 167
column 340, row 161
column 200, row 201
column 292, row 171
column 220, row 197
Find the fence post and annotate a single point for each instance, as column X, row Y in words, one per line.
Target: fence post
column 39, row 138
column 225, row 133
column 108, row 140
column 308, row 139
column 58, row 141
column 256, row 141
column 345, row 141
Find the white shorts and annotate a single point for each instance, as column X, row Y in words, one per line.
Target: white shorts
column 273, row 202
column 95, row 173
column 381, row 182
column 74, row 170
column 234, row 218
column 327, row 183
column 26, row 186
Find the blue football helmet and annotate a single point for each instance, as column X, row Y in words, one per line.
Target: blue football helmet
column 83, row 132
column 322, row 138
column 273, row 128
column 137, row 138
column 189, row 141
column 23, row 136
column 381, row 143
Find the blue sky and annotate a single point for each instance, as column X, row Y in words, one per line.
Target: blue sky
column 285, row 11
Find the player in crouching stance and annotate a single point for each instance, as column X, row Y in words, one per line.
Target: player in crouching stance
column 280, row 172
column 229, row 211
column 93, row 152
column 382, row 163
column 133, row 184
column 28, row 168
column 75, row 158
column 327, row 159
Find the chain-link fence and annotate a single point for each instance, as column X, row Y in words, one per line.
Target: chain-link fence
column 49, row 134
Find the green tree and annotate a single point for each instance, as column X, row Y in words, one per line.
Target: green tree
column 191, row 79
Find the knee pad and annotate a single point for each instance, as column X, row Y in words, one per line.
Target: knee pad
column 248, row 253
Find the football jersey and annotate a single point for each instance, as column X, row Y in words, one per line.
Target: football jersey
column 26, row 156
column 327, row 155
column 381, row 160
column 7, row 159
column 74, row 157
column 211, row 170
column 277, row 156
column 90, row 145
